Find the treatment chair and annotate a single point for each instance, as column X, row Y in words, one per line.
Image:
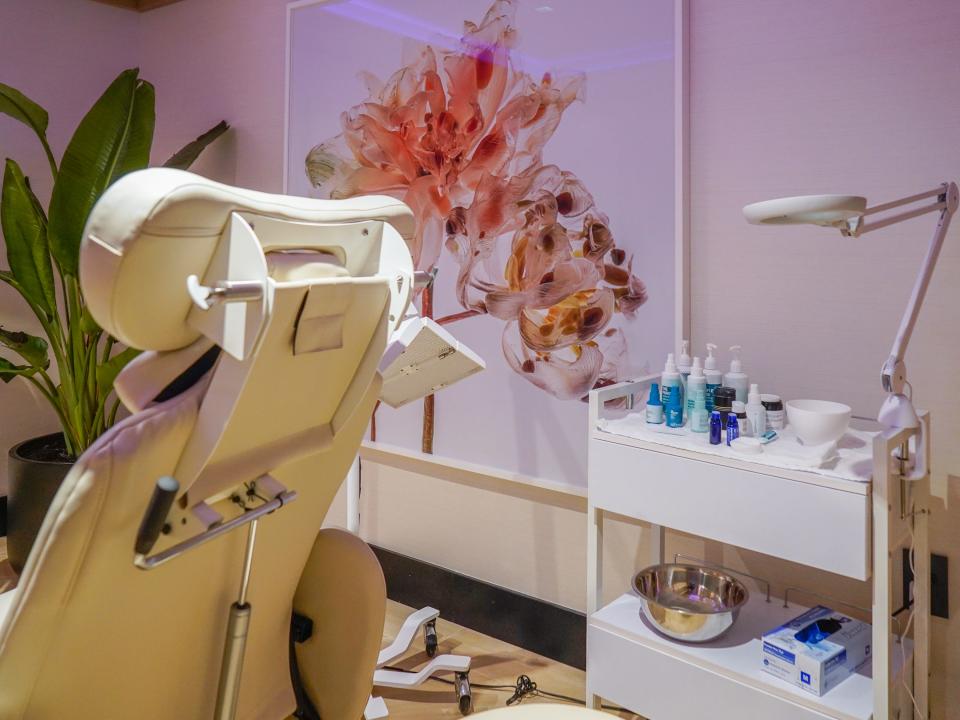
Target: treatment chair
column 164, row 578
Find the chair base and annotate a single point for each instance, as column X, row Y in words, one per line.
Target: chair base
column 425, row 618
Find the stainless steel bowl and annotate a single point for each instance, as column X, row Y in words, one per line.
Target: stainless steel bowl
column 690, row 603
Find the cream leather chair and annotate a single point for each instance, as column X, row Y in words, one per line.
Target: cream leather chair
column 257, row 383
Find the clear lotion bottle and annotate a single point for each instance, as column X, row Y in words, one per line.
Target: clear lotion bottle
column 713, row 375
column 699, row 419
column 756, row 413
column 696, row 383
column 736, row 378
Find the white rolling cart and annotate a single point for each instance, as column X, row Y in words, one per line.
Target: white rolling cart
column 850, row 528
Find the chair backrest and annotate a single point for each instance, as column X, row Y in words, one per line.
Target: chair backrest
column 87, row 634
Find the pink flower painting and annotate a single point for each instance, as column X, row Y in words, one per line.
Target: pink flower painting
column 459, row 135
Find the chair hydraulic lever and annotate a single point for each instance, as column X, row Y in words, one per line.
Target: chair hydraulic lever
column 155, row 522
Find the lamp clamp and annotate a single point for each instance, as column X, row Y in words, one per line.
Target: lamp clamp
column 852, row 227
column 423, row 279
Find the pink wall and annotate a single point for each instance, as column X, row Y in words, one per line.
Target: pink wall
column 214, row 60
column 63, row 54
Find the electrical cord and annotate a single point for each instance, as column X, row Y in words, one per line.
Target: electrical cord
column 524, row 688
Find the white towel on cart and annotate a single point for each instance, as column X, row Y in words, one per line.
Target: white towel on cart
column 850, row 458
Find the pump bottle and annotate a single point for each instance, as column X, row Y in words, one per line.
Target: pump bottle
column 713, row 375
column 696, row 383
column 699, row 420
column 683, row 364
column 670, row 384
column 736, row 378
column 756, row 413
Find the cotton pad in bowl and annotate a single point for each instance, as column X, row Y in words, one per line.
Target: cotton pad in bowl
column 818, row 421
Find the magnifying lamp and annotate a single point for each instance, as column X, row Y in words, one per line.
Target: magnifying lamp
column 848, row 214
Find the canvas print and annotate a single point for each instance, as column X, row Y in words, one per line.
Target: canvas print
column 534, row 145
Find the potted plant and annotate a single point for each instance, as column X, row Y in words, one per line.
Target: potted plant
column 75, row 364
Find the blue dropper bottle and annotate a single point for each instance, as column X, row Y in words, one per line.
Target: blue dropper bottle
column 733, row 427
column 675, row 410
column 716, row 428
column 654, row 405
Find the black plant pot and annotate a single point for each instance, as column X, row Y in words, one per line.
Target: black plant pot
column 36, row 469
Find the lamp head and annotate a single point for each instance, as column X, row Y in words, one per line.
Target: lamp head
column 827, row 210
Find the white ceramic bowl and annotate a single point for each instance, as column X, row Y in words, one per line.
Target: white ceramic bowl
column 818, row 421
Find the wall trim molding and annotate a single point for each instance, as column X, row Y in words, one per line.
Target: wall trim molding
column 475, row 475
column 536, row 625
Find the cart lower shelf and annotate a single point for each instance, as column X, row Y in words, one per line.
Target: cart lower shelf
column 628, row 663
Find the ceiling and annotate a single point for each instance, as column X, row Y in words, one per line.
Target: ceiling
column 139, row 5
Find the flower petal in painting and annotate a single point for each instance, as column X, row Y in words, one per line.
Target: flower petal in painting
column 567, row 375
column 612, row 344
column 567, row 278
column 631, row 297
column 573, row 198
column 544, row 107
column 576, row 319
column 480, row 73
column 327, row 166
column 599, row 239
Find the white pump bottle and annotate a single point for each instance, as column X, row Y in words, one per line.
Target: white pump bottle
column 713, row 375
column 756, row 413
column 696, row 383
column 736, row 378
column 670, row 382
column 683, row 363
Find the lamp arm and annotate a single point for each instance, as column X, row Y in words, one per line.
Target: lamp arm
column 893, row 375
column 938, row 192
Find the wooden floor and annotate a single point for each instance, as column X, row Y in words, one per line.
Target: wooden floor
column 493, row 663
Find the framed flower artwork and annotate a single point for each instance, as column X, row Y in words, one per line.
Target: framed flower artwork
column 540, row 145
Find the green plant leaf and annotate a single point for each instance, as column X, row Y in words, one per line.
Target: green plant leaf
column 25, row 233
column 109, row 139
column 108, row 371
column 88, row 325
column 183, row 158
column 18, row 106
column 136, row 152
column 31, row 348
column 8, row 371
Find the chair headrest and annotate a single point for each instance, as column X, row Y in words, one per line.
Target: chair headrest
column 287, row 287
column 153, row 229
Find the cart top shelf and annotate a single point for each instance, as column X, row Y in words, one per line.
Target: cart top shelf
column 850, row 471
